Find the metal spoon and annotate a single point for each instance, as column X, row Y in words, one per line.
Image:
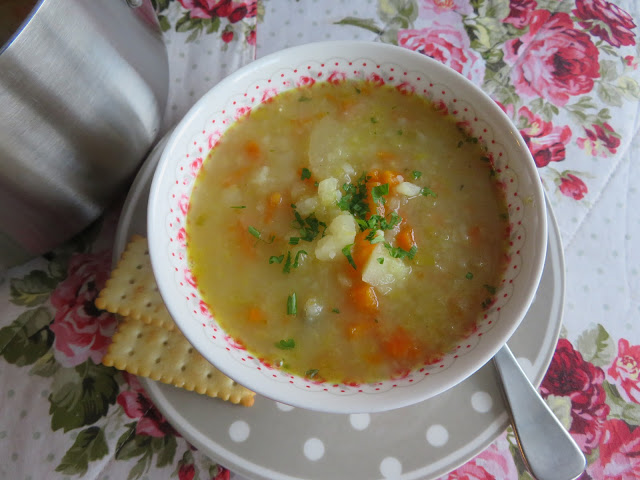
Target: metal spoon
column 546, row 447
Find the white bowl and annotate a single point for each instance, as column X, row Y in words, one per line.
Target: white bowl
column 333, row 61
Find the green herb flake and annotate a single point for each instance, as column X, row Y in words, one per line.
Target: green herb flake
column 490, row 288
column 304, row 99
column 274, row 259
column 287, row 264
column 460, row 144
column 292, row 304
column 504, row 216
column 294, row 240
column 314, row 371
column 286, row 344
column 485, row 158
column 427, row 192
column 381, row 260
column 399, row 132
column 358, row 90
column 354, row 199
column 298, row 255
column 306, row 173
column 346, row 251
column 378, row 192
column 469, row 276
column 416, row 174
column 397, row 252
column 374, row 120
column 335, row 310
column 239, row 206
column 255, row 232
column 486, row 303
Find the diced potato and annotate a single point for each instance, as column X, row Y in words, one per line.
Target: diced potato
column 340, row 233
column 329, row 192
column 409, row 189
column 312, row 308
column 307, row 206
column 261, row 175
column 381, row 275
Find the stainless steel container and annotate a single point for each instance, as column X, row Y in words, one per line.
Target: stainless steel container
column 83, row 87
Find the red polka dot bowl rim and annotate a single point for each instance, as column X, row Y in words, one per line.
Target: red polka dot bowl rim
column 405, row 70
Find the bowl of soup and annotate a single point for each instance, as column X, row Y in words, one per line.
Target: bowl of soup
column 347, row 227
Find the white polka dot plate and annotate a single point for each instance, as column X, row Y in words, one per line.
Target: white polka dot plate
column 275, row 441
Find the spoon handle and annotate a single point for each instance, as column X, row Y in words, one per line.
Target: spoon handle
column 546, row 447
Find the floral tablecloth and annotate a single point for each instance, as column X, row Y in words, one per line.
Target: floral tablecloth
column 565, row 71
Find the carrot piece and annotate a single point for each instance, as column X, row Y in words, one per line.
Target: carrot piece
column 252, row 150
column 361, row 251
column 245, row 239
column 400, row 345
column 360, row 327
column 474, row 234
column 256, row 315
column 364, row 297
column 406, row 237
column 385, row 155
column 391, row 177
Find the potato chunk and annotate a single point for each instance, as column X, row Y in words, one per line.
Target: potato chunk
column 340, row 233
column 384, row 275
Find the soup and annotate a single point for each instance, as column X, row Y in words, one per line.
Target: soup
column 347, row 233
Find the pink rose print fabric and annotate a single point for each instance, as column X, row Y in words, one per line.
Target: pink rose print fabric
column 607, row 21
column 553, row 60
column 601, row 140
column 496, row 462
column 624, row 373
column 81, row 330
column 572, row 186
column 546, row 142
column 570, row 376
column 447, row 44
column 137, row 405
column 619, row 457
column 520, row 12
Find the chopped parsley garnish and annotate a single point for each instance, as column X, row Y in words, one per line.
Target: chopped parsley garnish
column 309, row 227
column 381, row 260
column 375, row 236
column 374, row 120
column 491, row 289
column 427, row 192
column 297, row 260
column 504, row 216
column 399, row 132
column 397, row 252
column 460, row 144
column 294, row 240
column 287, row 264
column 274, row 259
column 286, row 344
column 486, row 303
column 485, row 158
column 378, row 192
column 292, row 304
column 357, row 90
column 306, row 173
column 416, row 174
column 346, row 251
column 354, row 199
column 239, row 206
column 314, row 371
column 335, row 310
column 255, row 232
column 378, row 222
column 469, row 276
column 304, row 99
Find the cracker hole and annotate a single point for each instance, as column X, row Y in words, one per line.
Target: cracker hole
column 209, row 375
column 158, row 360
column 139, row 335
column 165, row 343
column 183, row 368
column 148, row 305
column 139, row 267
column 123, row 297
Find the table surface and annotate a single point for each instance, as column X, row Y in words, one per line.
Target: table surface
column 566, row 73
